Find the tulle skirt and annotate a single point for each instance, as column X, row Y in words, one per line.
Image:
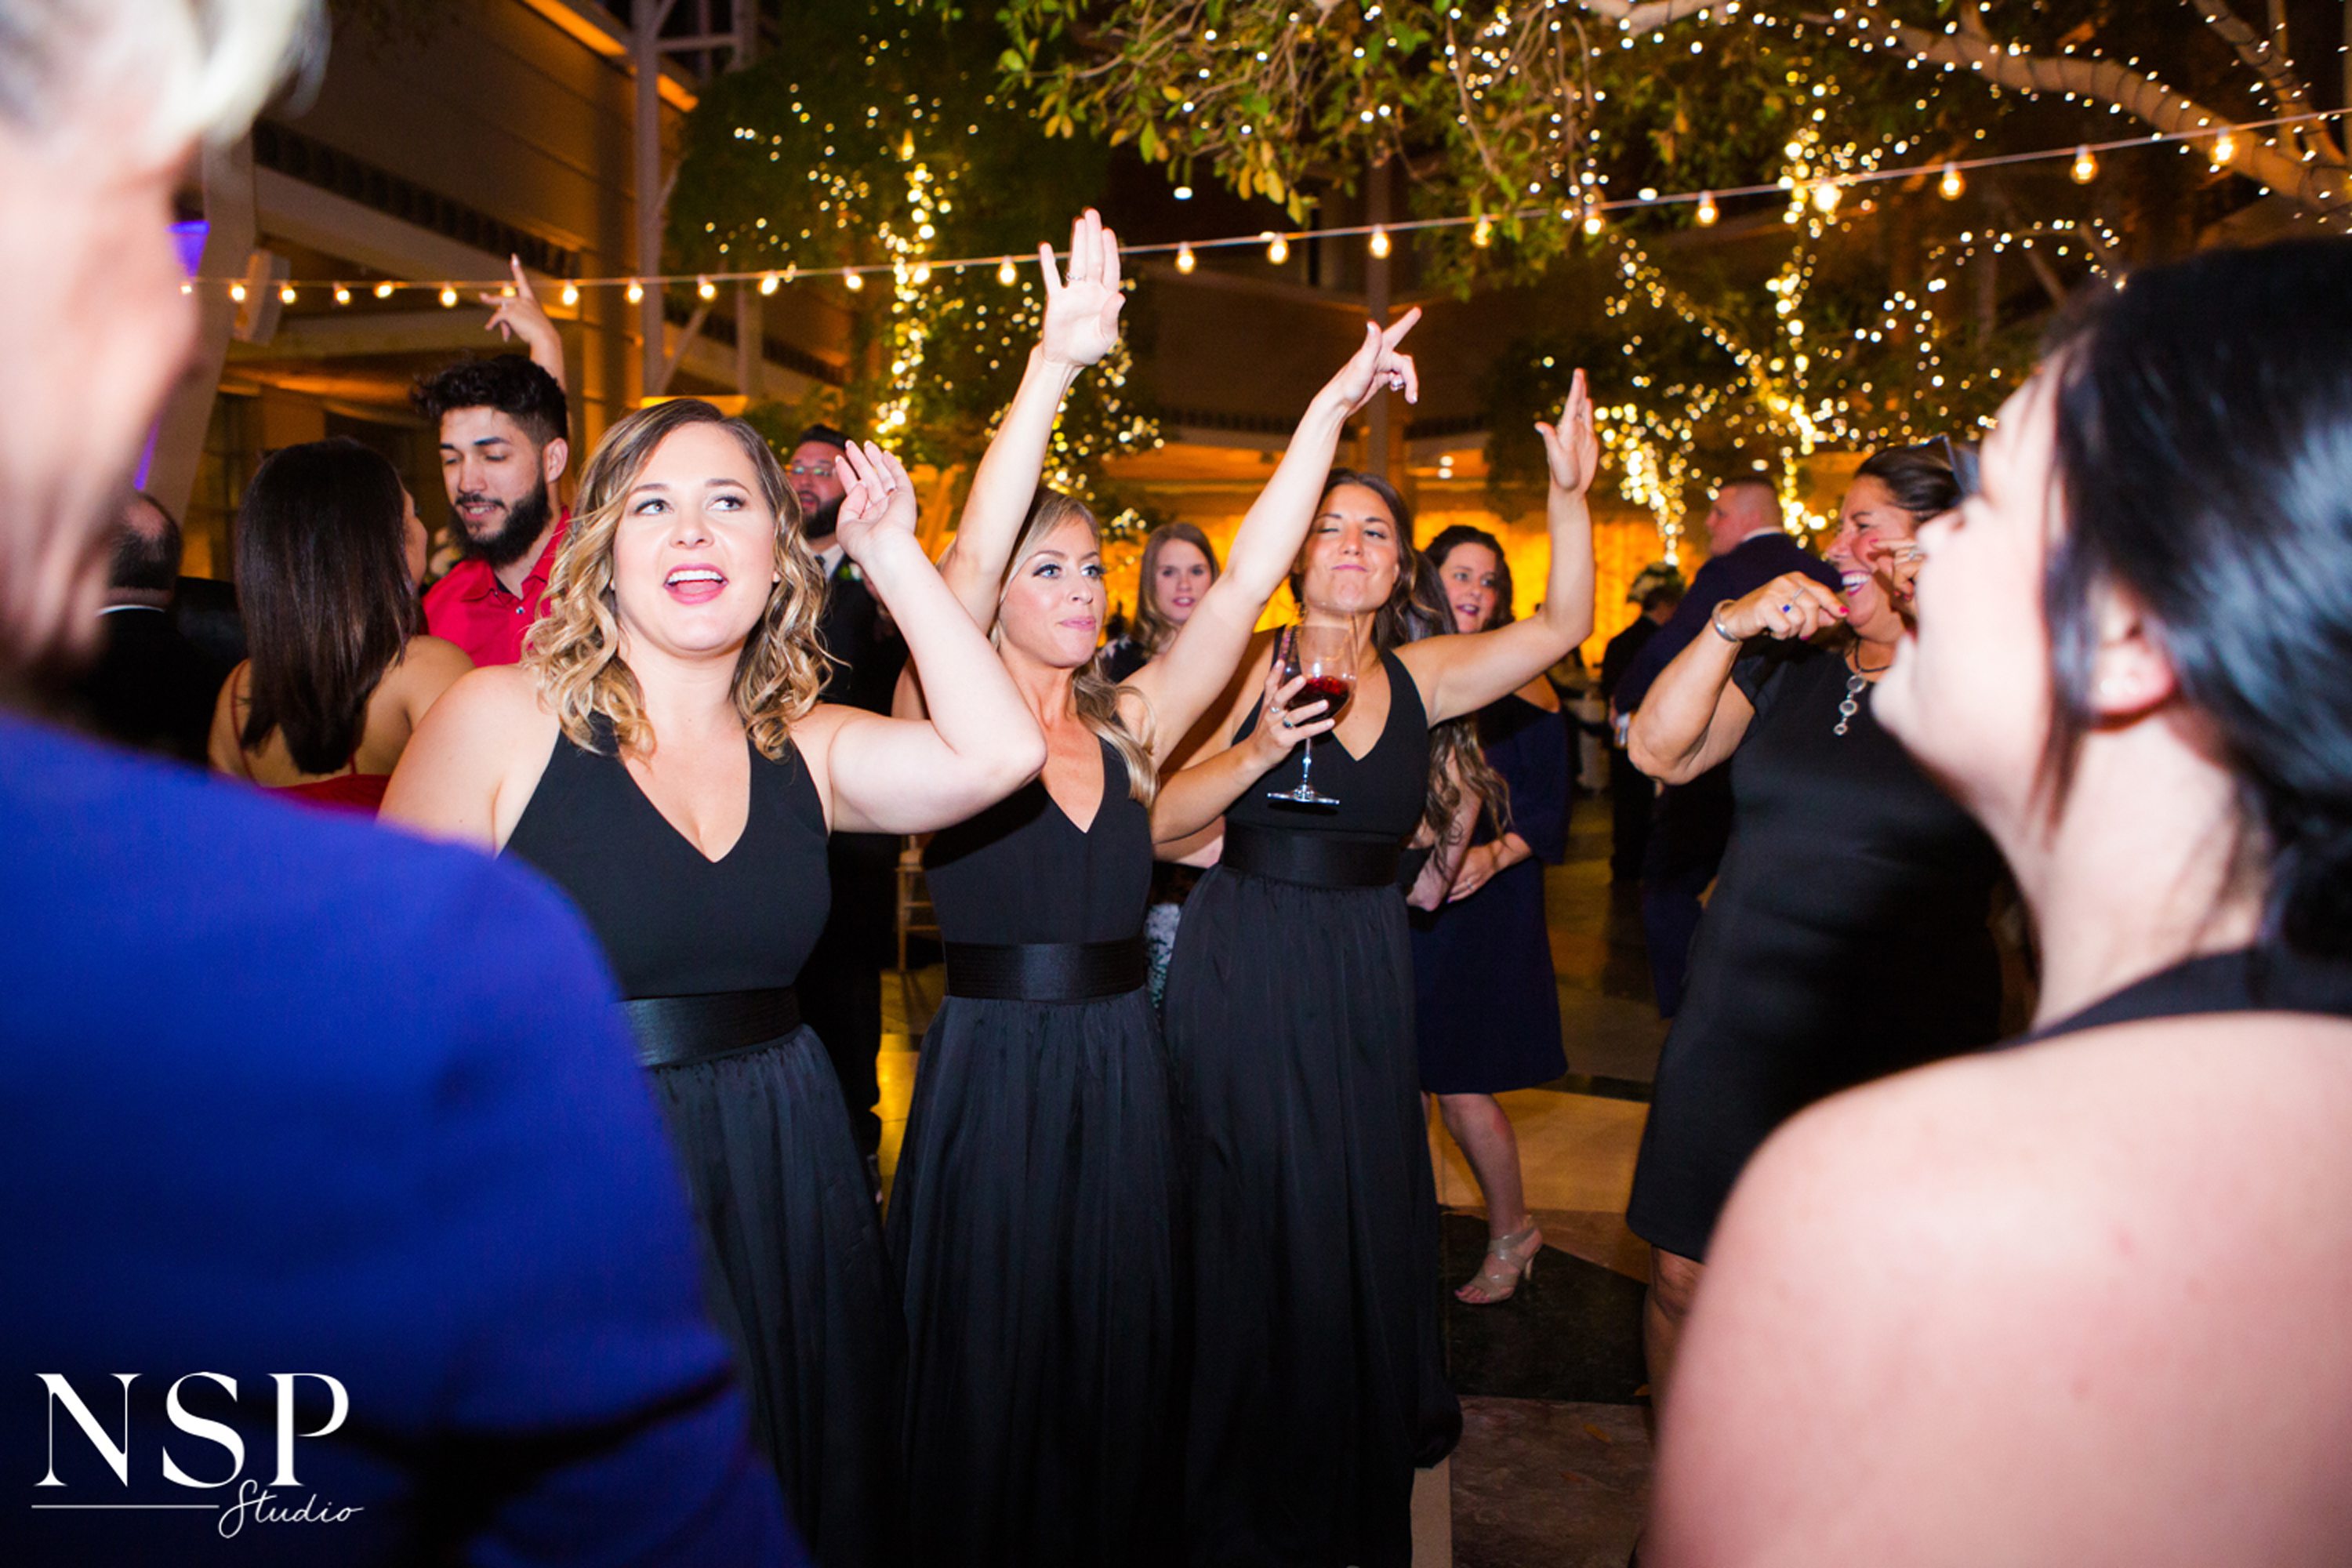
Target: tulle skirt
column 1035, row 1223
column 800, row 1283
column 1318, row 1381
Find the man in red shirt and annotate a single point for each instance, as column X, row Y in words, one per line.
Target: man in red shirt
column 503, row 448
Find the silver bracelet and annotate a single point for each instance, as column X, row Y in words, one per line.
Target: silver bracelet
column 1715, row 619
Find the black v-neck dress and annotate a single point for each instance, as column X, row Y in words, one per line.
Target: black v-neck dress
column 1319, row 1380
column 1035, row 1214
column 800, row 1281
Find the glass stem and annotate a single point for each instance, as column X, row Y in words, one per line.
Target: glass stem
column 1307, row 765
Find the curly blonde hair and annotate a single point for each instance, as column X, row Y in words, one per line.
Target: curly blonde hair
column 574, row 649
column 1096, row 698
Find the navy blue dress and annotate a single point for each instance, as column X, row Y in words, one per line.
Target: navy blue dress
column 1486, row 1000
column 291, row 1093
column 1318, row 1374
column 1034, row 1215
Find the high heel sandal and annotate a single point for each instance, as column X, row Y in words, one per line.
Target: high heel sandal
column 1504, row 1268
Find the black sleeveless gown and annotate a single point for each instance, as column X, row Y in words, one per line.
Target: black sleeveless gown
column 1034, row 1215
column 1319, row 1379
column 800, row 1284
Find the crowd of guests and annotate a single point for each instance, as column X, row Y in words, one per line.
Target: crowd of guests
column 583, row 1233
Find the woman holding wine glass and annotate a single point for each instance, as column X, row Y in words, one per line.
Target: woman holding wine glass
column 1035, row 1221
column 1289, row 1020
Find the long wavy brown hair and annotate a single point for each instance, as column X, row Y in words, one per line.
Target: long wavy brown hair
column 575, row 648
column 1152, row 631
column 1095, row 698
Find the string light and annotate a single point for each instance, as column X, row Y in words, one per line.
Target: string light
column 448, row 298
column 706, row 289
column 1277, row 249
column 1592, row 218
column 2225, row 149
column 1706, row 212
column 2086, row 168
column 237, row 292
column 572, row 293
column 1380, row 243
column 187, row 288
column 1184, row 259
column 286, row 294
column 1952, row 184
column 383, row 290
column 854, row 282
column 1825, row 198
column 343, row 295
column 1006, row 274
column 1483, row 234
column 636, row 292
column 768, row 283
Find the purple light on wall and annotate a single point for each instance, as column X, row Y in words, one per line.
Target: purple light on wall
column 188, row 240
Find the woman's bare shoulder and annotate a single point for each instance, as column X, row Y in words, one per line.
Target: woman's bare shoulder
column 499, row 703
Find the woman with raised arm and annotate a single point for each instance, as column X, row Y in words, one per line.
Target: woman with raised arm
column 2081, row 1299
column 1318, row 1381
column 662, row 755
column 1035, row 1216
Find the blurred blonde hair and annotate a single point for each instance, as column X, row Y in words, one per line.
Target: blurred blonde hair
column 574, row 649
column 183, row 70
column 1096, row 698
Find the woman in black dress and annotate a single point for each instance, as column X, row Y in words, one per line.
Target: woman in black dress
column 1036, row 1215
column 2084, row 1299
column 1487, row 1003
column 662, row 755
column 1179, row 567
column 1847, row 936
column 1318, row 1381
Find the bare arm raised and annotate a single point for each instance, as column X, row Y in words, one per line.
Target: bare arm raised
column 519, row 314
column 1175, row 689
column 1461, row 674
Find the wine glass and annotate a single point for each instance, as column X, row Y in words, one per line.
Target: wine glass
column 1326, row 658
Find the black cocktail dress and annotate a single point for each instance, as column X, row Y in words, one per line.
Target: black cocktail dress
column 1846, row 939
column 800, row 1282
column 1035, row 1214
column 1319, row 1379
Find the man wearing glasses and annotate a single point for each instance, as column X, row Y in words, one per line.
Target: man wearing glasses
column 841, row 984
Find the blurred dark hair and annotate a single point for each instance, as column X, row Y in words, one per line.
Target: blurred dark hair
column 2204, row 443
column 1666, row 595
column 824, row 436
column 1391, row 622
column 1920, row 477
column 146, row 559
column 507, row 383
column 1457, row 761
column 1452, row 538
column 322, row 577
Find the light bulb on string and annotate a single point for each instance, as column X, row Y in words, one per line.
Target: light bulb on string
column 1184, row 259
column 343, row 295
column 768, row 283
column 920, row 275
column 572, row 293
column 2225, row 148
column 1380, row 243
column 853, row 282
column 448, row 297
column 187, row 288
column 1482, row 232
column 237, row 292
column 1277, row 249
column 1707, row 212
column 1006, row 273
column 1951, row 186
column 1825, row 198
column 705, row 288
column 636, row 292
column 383, row 290
column 1592, row 218
column 286, row 293
column 2086, row 168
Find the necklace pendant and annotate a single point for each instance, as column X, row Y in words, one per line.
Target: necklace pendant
column 1851, row 704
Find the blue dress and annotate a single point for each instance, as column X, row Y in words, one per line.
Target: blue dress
column 1486, row 1000
column 291, row 1093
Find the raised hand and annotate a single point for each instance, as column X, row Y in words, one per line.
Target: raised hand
column 1377, row 367
column 1572, row 450
column 878, row 499
column 1281, row 727
column 1082, row 310
column 1791, row 605
column 520, row 315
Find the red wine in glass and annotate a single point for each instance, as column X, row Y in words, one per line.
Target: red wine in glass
column 1325, row 656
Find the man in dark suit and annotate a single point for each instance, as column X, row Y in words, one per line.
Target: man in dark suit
column 150, row 688
column 1692, row 824
column 1659, row 591
column 340, row 1216
column 841, row 984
